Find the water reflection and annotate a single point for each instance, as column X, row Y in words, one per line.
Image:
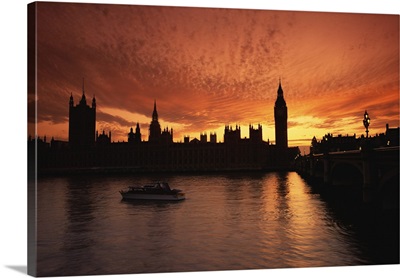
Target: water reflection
column 80, row 207
column 237, row 221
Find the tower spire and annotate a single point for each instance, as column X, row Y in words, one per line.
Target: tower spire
column 83, row 99
column 280, row 115
column 71, row 100
column 155, row 114
column 155, row 128
column 280, row 90
column 94, row 101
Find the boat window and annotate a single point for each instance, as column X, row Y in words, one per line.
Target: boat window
column 165, row 186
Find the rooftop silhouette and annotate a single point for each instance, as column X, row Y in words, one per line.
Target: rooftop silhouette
column 89, row 149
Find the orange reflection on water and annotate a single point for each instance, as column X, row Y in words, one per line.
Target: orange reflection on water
column 295, row 220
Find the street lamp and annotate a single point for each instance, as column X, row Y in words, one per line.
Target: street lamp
column 366, row 121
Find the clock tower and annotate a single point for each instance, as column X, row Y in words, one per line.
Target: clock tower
column 155, row 128
column 280, row 114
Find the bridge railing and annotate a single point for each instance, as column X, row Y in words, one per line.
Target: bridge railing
column 387, row 149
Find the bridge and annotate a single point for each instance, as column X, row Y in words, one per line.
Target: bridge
column 374, row 171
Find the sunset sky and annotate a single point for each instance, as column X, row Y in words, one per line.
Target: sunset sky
column 208, row 68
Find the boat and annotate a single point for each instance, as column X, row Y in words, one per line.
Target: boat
column 154, row 191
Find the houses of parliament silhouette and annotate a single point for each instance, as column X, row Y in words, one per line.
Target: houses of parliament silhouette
column 89, row 151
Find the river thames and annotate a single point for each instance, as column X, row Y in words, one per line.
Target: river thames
column 228, row 221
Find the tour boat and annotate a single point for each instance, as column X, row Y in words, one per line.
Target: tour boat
column 156, row 191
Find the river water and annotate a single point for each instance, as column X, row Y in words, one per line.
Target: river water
column 227, row 222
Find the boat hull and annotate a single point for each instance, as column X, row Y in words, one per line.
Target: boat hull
column 165, row 197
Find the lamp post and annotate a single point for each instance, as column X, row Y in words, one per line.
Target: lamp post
column 366, row 122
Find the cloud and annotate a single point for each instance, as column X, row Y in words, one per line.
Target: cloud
column 211, row 67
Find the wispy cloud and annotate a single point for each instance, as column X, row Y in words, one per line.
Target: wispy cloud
column 211, row 67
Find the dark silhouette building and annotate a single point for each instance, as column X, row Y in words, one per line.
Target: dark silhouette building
column 281, row 116
column 88, row 150
column 82, row 122
column 392, row 136
column 155, row 133
column 330, row 143
column 155, row 128
column 281, row 135
column 103, row 139
column 135, row 137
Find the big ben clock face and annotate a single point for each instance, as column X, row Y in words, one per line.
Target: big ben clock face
column 280, row 113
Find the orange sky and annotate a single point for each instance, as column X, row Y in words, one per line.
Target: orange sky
column 208, row 68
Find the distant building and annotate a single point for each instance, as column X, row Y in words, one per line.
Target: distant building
column 88, row 149
column 203, row 138
column 392, row 136
column 135, row 137
column 82, row 122
column 213, row 137
column 155, row 134
column 330, row 143
column 231, row 135
column 58, row 144
column 103, row 139
column 255, row 134
column 281, row 116
column 281, row 134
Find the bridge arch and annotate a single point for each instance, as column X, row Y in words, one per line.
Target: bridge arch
column 345, row 173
